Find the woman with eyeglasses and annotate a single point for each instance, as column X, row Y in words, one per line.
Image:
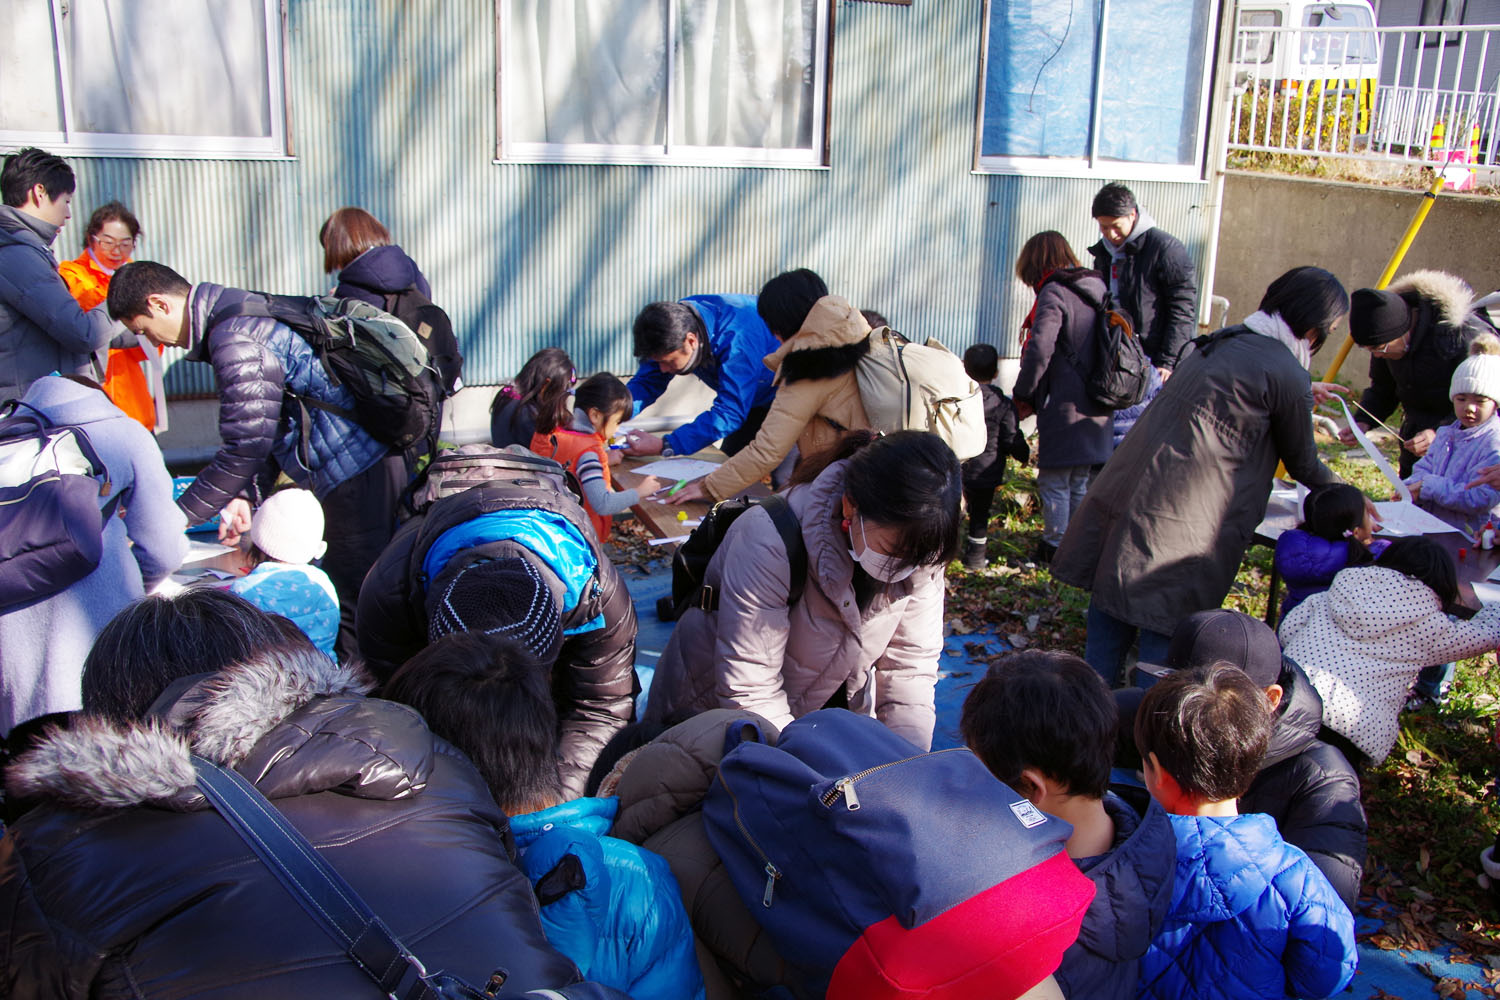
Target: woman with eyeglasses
column 133, row 379
column 1165, row 524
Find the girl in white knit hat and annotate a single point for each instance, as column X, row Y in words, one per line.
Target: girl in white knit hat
column 286, row 535
column 1440, row 480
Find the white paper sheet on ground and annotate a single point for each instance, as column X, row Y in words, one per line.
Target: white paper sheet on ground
column 1397, row 518
column 1488, row 593
column 1375, row 455
column 677, row 468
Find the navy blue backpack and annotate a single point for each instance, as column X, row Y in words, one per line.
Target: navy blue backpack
column 881, row 871
column 51, row 527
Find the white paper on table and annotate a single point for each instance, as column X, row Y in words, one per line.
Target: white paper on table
column 1397, row 518
column 1488, row 593
column 1376, row 456
column 677, row 468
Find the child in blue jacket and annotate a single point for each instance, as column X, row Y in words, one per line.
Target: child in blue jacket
column 286, row 535
column 1336, row 532
column 612, row 907
column 1044, row 723
column 1251, row 915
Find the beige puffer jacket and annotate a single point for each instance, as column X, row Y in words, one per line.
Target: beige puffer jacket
column 757, row 654
column 661, row 788
column 817, row 397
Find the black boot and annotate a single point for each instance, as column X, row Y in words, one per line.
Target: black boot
column 1044, row 553
column 974, row 555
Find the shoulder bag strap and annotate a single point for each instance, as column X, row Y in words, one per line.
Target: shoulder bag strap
column 323, row 893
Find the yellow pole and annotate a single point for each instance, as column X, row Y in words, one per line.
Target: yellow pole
column 1390, row 268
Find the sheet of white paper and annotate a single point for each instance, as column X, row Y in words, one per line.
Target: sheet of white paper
column 1375, row 455
column 1397, row 518
column 668, row 540
column 677, row 468
column 1488, row 593
column 1283, row 511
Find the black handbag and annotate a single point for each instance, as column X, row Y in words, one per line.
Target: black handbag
column 334, row 904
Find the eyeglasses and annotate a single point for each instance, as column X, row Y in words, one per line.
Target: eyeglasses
column 109, row 244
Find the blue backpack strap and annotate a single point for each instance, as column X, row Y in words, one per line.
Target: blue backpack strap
column 324, row 894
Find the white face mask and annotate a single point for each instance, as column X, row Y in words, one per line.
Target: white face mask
column 887, row 569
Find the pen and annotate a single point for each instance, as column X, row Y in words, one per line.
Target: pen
column 671, row 490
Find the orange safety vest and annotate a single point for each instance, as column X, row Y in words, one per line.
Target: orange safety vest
column 124, row 382
column 567, row 447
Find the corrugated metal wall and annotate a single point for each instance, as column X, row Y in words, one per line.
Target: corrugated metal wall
column 394, row 109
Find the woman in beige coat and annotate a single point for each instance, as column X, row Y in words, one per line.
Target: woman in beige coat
column 817, row 397
column 868, row 629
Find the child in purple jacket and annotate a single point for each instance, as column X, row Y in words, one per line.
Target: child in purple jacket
column 1440, row 480
column 1335, row 533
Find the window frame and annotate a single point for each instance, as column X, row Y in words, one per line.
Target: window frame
column 1091, row 165
column 815, row 157
column 68, row 142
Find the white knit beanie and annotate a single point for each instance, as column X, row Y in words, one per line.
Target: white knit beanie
column 288, row 527
column 1479, row 373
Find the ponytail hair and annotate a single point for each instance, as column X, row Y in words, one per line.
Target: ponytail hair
column 1334, row 512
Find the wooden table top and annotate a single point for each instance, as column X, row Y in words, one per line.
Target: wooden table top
column 661, row 519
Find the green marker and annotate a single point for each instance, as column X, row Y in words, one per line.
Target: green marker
column 680, row 484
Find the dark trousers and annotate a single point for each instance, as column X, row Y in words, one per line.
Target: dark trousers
column 360, row 518
column 737, row 439
column 978, row 499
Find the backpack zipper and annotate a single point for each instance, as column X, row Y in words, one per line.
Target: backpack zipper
column 845, row 785
column 773, row 874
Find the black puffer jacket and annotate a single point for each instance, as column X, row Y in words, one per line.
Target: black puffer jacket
column 594, row 682
column 1158, row 287
column 1003, row 439
column 1444, row 323
column 1310, row 790
column 124, row 884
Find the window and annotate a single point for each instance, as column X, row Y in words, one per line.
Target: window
column 1336, row 48
column 664, row 81
column 1114, row 88
column 1256, row 46
column 1442, row 12
column 143, row 77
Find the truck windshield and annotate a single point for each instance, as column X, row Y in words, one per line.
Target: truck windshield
column 1335, row 47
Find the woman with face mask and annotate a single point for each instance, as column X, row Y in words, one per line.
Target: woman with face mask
column 880, row 520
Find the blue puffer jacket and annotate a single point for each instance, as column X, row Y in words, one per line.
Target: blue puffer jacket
column 733, row 366
column 617, row 913
column 1308, row 563
column 1251, row 918
column 255, row 361
column 1133, row 885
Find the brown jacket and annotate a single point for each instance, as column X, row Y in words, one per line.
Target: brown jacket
column 817, row 397
column 755, row 653
column 661, row 788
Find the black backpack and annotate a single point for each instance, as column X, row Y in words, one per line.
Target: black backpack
column 385, row 366
column 1121, row 374
column 690, row 562
column 432, row 325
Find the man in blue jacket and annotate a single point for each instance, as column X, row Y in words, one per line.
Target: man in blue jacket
column 257, row 362
column 721, row 340
column 42, row 329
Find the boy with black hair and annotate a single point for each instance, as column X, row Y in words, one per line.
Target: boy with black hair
column 42, row 329
column 984, row 473
column 1044, row 723
column 1251, row 915
column 612, row 907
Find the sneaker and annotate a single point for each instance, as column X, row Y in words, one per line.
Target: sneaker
column 1417, row 701
column 974, row 557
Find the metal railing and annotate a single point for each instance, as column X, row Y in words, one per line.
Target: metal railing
column 1404, row 94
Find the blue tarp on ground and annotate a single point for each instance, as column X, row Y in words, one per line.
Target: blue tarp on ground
column 1403, row 974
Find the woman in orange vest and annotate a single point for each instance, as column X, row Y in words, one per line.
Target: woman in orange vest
column 600, row 403
column 108, row 242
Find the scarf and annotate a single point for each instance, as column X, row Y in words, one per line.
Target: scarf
column 1273, row 326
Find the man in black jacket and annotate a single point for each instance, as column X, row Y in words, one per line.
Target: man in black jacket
column 1305, row 785
column 1149, row 275
column 517, row 558
column 1417, row 330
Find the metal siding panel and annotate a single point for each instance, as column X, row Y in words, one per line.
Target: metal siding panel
column 393, row 109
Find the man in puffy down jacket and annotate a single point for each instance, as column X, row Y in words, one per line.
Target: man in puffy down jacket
column 257, row 363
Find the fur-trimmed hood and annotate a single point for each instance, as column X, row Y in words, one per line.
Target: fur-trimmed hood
column 292, row 721
column 832, row 340
column 1450, row 295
